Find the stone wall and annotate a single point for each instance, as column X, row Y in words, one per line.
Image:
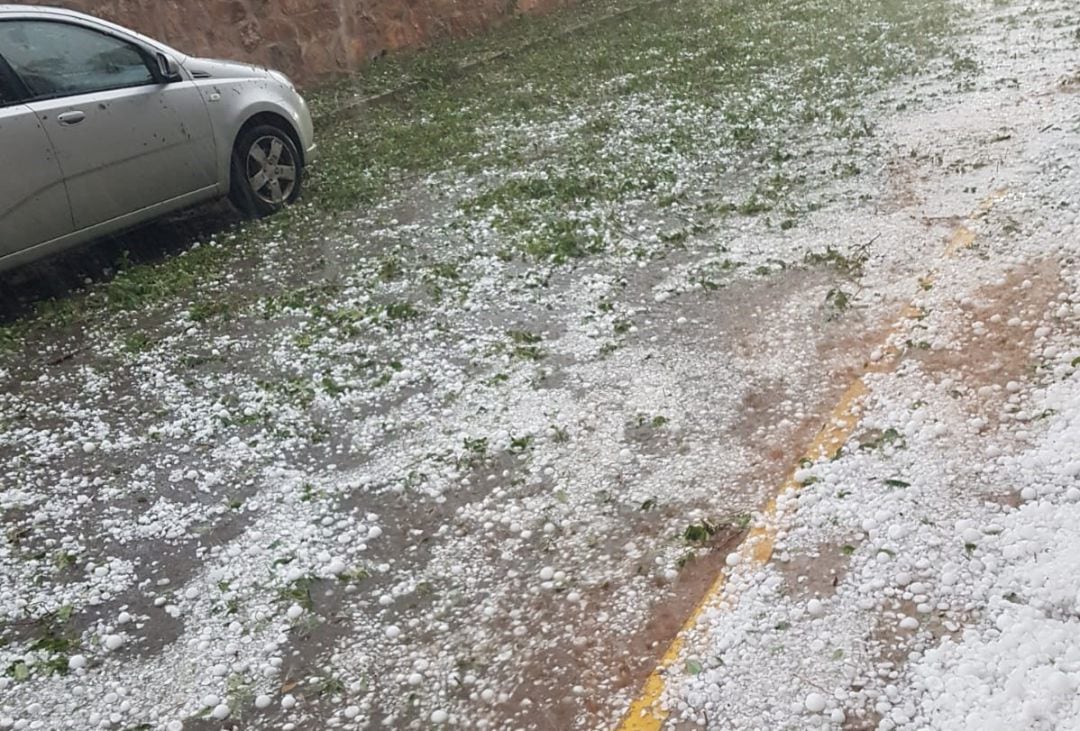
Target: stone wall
column 306, row 39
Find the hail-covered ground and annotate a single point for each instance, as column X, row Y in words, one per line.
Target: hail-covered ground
column 467, row 453
column 927, row 577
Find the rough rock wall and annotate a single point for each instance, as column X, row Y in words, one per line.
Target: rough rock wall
column 307, row 39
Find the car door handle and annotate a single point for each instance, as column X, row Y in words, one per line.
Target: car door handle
column 70, row 117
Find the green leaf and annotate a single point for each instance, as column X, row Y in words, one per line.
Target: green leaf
column 893, row 482
column 693, row 667
column 742, row 521
column 20, row 671
column 520, row 444
column 699, row 532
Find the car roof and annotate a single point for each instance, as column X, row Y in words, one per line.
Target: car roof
column 46, row 10
column 40, row 9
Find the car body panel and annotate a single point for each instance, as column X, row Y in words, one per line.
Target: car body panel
column 110, row 160
column 236, row 92
column 134, row 148
column 130, row 220
column 32, row 195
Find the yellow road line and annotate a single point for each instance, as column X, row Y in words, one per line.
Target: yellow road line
column 961, row 238
column 645, row 712
column 989, row 202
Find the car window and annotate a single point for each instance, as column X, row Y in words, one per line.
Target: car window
column 7, row 96
column 9, row 86
column 60, row 59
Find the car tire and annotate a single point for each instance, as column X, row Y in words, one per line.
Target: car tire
column 267, row 171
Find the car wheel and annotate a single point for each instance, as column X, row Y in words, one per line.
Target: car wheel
column 266, row 171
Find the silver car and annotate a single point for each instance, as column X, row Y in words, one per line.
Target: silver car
column 102, row 128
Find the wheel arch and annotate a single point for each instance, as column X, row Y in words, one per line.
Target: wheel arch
column 274, row 119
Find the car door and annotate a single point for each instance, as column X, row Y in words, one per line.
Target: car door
column 33, row 205
column 125, row 138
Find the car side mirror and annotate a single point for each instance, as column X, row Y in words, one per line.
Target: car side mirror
column 168, row 68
